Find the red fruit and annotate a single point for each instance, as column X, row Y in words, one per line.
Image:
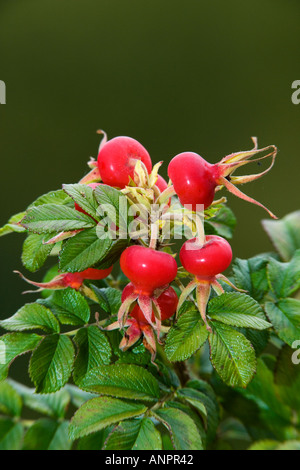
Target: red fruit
column 148, row 269
column 161, row 183
column 117, row 160
column 93, row 186
column 167, row 302
column 208, row 260
column 194, row 179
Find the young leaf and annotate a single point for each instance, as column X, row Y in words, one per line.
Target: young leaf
column 13, row 345
column 10, row 400
column 11, row 434
column 51, row 363
column 137, row 434
column 122, row 380
column 69, row 306
column 284, row 234
column 30, row 317
column 83, row 195
column 13, row 225
column 109, row 299
column 251, row 275
column 84, row 250
column 35, row 252
column 285, row 318
column 101, row 412
column 186, row 336
column 46, row 434
column 51, row 218
column 238, row 310
column 183, row 430
column 93, row 351
column 284, row 278
column 232, row 355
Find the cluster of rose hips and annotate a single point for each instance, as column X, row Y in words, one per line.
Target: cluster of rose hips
column 149, row 299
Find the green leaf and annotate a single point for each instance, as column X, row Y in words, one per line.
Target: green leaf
column 58, row 197
column 11, row 434
column 284, row 278
column 238, row 310
column 54, row 405
column 251, row 275
column 182, row 429
column 30, row 317
column 78, row 397
column 83, row 251
column 284, row 234
column 13, row 345
column 194, row 398
column 187, row 336
column 262, row 391
column 122, row 380
column 10, row 400
column 55, row 218
column 109, row 299
column 51, row 363
column 93, row 351
column 113, row 254
column 266, row 444
column 285, row 318
column 46, row 434
column 35, row 252
column 101, row 412
column 83, row 195
column 232, row 355
column 222, row 224
column 137, row 434
column 69, row 306
column 287, row 378
column 114, row 205
column 13, row 225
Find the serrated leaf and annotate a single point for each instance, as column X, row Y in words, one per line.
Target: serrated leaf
column 232, row 355
column 30, row 317
column 93, row 351
column 194, row 398
column 10, row 400
column 284, row 278
column 251, row 275
column 83, row 251
column 11, row 434
column 109, row 299
column 46, row 434
column 54, row 405
column 186, row 336
column 83, row 195
column 183, row 430
column 35, row 252
column 222, row 223
column 137, row 434
column 114, row 205
column 51, row 363
column 285, row 318
column 58, row 197
column 50, row 218
column 284, row 234
column 69, row 306
column 122, row 380
column 287, row 378
column 78, row 397
column 113, row 254
column 238, row 310
column 13, row 345
column 13, row 225
column 100, row 412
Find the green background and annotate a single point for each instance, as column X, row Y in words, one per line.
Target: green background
column 194, row 75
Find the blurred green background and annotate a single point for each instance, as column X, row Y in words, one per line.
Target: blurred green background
column 194, row 75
